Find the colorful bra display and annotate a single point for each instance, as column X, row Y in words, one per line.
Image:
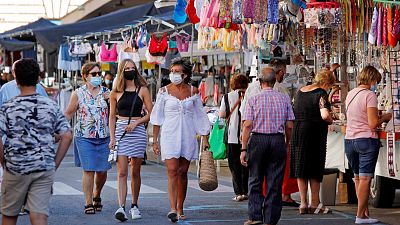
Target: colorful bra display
column 108, row 55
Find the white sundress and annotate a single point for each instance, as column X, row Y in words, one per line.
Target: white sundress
column 180, row 121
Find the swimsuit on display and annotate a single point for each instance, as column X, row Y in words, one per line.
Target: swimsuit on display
column 158, row 47
column 108, row 55
column 179, row 12
column 183, row 43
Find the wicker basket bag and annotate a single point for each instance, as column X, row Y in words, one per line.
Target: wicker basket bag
column 208, row 180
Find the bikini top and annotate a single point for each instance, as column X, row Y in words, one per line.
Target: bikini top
column 158, row 47
column 108, row 55
column 183, row 42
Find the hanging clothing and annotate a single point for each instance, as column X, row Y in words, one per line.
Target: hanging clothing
column 158, row 47
column 66, row 61
column 183, row 42
column 108, row 55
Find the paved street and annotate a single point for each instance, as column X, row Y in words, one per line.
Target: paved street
column 201, row 207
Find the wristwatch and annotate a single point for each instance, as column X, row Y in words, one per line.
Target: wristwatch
column 243, row 150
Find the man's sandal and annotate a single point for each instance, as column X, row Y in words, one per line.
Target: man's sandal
column 97, row 204
column 89, row 209
column 321, row 209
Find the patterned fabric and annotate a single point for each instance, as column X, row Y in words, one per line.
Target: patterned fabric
column 308, row 144
column 225, row 13
column 273, row 11
column 269, row 112
column 261, row 11
column 249, row 8
column 134, row 143
column 92, row 119
column 237, row 11
column 29, row 123
column 384, row 30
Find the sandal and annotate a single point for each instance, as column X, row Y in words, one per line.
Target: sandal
column 303, row 210
column 173, row 216
column 97, row 204
column 181, row 216
column 237, row 198
column 321, row 209
column 89, row 209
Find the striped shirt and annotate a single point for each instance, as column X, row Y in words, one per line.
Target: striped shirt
column 269, row 112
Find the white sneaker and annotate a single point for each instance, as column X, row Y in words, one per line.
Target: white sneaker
column 121, row 215
column 366, row 220
column 135, row 213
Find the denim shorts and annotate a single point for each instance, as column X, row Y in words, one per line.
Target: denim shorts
column 362, row 154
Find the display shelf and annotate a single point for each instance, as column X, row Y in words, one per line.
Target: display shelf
column 394, row 73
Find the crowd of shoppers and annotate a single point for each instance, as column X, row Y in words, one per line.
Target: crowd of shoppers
column 261, row 125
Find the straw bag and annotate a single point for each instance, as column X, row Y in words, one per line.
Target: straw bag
column 208, row 175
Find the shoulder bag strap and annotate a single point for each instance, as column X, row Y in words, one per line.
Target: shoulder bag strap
column 130, row 113
column 347, row 106
column 233, row 109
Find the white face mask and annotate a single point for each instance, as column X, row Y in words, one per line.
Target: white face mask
column 175, row 78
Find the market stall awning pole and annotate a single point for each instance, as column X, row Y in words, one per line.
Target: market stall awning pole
column 191, row 45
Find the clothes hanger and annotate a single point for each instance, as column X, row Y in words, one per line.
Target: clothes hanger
column 183, row 32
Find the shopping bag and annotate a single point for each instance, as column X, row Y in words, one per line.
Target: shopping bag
column 217, row 145
column 208, row 180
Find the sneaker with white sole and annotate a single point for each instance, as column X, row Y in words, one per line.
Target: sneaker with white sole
column 135, row 213
column 366, row 220
column 121, row 215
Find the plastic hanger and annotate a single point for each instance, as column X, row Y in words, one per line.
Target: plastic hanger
column 183, row 32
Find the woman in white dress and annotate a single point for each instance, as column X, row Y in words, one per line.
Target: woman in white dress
column 179, row 113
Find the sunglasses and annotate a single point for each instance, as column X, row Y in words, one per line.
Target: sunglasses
column 95, row 74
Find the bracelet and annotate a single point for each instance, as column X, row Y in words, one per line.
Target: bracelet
column 243, row 150
column 155, row 142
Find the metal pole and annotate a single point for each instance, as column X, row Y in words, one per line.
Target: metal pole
column 192, row 44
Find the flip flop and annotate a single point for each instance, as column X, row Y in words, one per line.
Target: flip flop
column 321, row 209
column 181, row 216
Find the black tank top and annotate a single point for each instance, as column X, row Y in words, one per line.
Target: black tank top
column 124, row 104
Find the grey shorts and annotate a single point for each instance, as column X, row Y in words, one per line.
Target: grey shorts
column 33, row 188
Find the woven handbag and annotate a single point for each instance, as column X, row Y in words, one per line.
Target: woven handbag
column 208, row 180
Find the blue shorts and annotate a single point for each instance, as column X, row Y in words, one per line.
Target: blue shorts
column 362, row 154
column 92, row 153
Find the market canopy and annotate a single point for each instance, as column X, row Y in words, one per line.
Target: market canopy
column 51, row 38
column 16, row 45
column 30, row 27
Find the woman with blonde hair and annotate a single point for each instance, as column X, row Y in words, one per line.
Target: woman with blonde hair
column 127, row 128
column 361, row 140
column 308, row 145
column 91, row 134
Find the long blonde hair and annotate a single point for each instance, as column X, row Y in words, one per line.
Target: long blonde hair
column 120, row 84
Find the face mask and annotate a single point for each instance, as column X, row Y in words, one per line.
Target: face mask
column 95, row 81
column 374, row 87
column 175, row 78
column 107, row 82
column 130, row 75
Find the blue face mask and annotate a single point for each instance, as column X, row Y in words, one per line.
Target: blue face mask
column 374, row 87
column 108, row 82
column 95, row 81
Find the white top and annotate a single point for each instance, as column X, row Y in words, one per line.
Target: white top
column 180, row 121
column 234, row 120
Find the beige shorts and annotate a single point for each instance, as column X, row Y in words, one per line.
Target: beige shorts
column 34, row 189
